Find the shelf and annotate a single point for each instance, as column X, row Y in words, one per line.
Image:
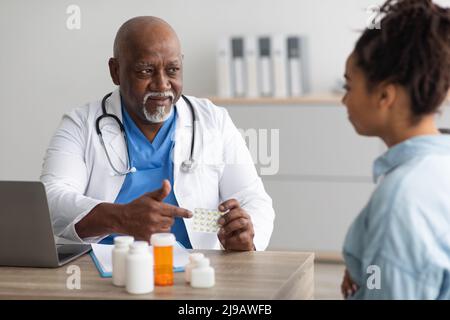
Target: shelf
column 317, row 99
column 305, row 100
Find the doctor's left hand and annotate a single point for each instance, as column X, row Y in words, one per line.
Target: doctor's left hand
column 236, row 232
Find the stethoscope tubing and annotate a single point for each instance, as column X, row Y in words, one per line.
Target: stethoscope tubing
column 187, row 165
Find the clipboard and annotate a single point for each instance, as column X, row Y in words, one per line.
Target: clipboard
column 181, row 258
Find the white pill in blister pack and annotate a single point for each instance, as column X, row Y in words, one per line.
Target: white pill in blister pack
column 205, row 220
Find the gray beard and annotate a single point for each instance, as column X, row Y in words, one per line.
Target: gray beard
column 159, row 116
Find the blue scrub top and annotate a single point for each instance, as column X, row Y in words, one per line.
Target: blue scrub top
column 153, row 161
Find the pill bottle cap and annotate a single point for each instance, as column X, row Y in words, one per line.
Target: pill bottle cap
column 162, row 239
column 139, row 246
column 123, row 241
column 203, row 262
column 194, row 257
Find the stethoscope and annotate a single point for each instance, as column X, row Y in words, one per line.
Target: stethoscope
column 187, row 166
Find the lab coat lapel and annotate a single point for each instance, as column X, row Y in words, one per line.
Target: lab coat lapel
column 112, row 134
column 185, row 183
column 183, row 136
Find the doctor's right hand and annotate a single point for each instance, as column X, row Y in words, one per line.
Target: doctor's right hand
column 148, row 214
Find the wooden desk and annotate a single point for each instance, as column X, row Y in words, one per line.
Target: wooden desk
column 239, row 275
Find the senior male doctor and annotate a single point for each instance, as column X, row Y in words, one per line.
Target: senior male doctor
column 143, row 163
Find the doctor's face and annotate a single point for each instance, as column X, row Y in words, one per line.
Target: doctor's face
column 361, row 104
column 150, row 75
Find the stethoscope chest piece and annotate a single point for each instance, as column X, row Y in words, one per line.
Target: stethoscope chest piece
column 188, row 166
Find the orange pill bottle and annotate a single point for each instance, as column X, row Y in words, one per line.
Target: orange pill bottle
column 163, row 258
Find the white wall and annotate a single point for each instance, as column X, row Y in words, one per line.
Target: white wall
column 47, row 69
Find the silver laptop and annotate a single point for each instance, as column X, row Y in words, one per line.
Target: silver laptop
column 26, row 234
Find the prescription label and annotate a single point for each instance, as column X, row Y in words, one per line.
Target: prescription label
column 205, row 220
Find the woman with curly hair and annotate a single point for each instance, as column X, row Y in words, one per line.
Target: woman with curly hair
column 397, row 77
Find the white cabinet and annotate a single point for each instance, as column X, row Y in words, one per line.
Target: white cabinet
column 324, row 177
column 443, row 119
column 314, row 140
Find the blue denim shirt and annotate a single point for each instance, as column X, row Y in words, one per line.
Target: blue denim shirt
column 404, row 230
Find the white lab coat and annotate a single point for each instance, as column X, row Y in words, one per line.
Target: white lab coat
column 78, row 176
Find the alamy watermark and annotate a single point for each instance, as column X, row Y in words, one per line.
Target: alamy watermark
column 73, row 21
column 264, row 147
column 374, row 20
column 374, row 279
column 214, row 148
column 73, row 281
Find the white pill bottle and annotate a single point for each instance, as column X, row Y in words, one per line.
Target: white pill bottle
column 119, row 254
column 139, row 269
column 202, row 275
column 193, row 258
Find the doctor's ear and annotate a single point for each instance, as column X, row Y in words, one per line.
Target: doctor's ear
column 114, row 70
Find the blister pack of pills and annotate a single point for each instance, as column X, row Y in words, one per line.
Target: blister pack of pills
column 205, row 220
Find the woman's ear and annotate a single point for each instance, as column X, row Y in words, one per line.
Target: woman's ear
column 114, row 70
column 387, row 96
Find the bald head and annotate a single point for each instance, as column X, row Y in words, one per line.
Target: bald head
column 147, row 63
column 142, row 31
